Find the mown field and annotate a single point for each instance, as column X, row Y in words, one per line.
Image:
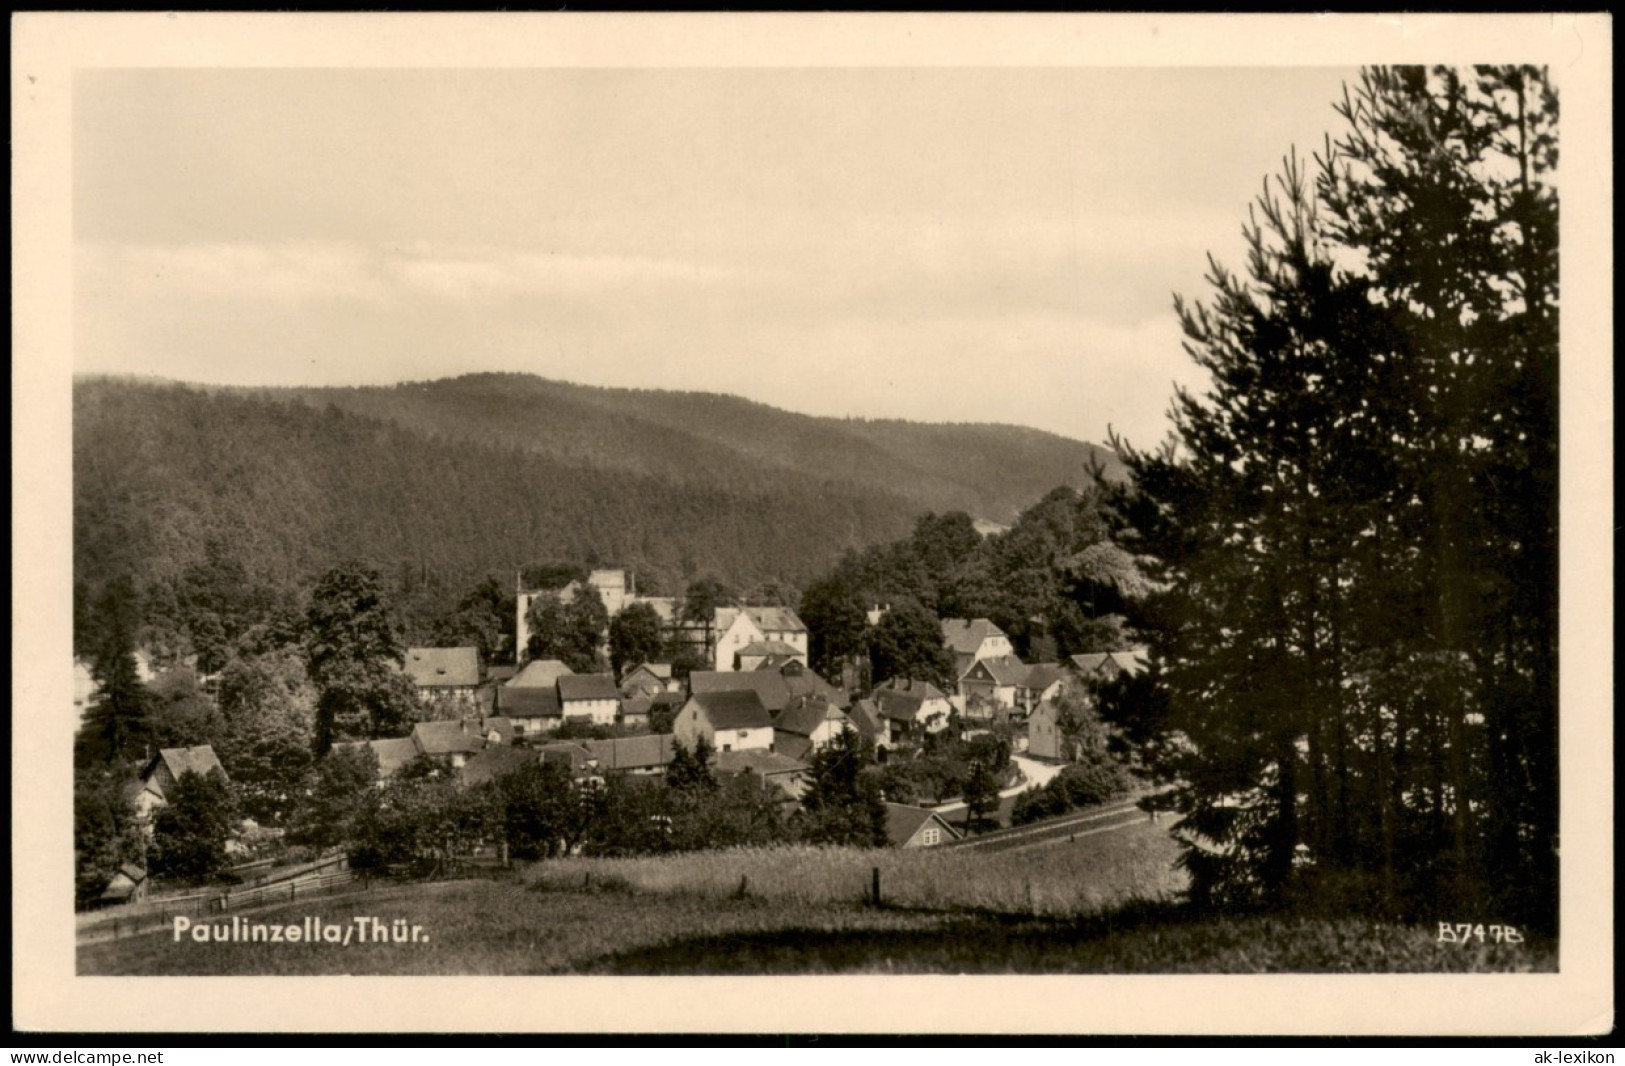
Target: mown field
column 1100, row 905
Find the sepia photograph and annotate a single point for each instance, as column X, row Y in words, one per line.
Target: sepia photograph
column 1017, row 516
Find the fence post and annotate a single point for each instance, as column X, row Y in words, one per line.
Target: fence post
column 874, row 887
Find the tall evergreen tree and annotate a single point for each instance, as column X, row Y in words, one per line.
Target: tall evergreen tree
column 1353, row 617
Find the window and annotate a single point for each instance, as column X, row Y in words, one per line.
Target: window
column 727, row 747
column 930, row 837
column 744, row 734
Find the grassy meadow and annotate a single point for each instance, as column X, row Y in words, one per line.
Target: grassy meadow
column 1102, row 904
column 1059, row 880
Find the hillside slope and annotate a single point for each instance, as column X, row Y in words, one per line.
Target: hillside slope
column 459, row 478
column 690, row 438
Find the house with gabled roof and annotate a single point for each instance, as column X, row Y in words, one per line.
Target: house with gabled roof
column 911, row 708
column 990, row 685
column 582, row 763
column 129, row 884
column 758, row 653
column 634, row 712
column 771, row 769
column 737, row 628
column 916, row 827
column 1107, row 665
column 163, row 770
column 768, row 685
column 729, row 721
column 589, row 697
column 494, row 762
column 1044, row 683
column 392, row 753
column 648, row 679
column 865, row 717
column 448, row 678
column 972, row 640
column 448, row 742
column 529, row 711
column 643, row 756
column 808, row 724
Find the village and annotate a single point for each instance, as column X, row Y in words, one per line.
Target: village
column 758, row 712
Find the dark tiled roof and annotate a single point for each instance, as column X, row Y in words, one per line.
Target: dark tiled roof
column 791, row 745
column 578, row 757
column 588, row 687
column 200, row 760
column 903, row 821
column 500, row 674
column 802, row 682
column 776, row 619
column 805, row 715
column 1003, row 669
column 770, row 686
column 633, row 753
column 636, row 707
column 917, row 690
column 866, row 716
column 495, row 762
column 768, row 647
column 529, row 703
column 1129, row 662
column 445, row 738
column 733, row 709
column 1041, row 676
column 443, row 667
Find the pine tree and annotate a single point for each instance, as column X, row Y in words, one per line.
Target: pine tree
column 1355, row 616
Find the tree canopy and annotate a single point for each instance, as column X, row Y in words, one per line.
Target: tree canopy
column 1356, row 609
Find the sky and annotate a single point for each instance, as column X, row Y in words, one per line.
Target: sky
column 944, row 244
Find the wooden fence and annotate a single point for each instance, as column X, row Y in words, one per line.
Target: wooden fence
column 201, row 905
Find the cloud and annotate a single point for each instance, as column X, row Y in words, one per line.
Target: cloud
column 289, row 273
column 482, row 272
column 295, row 273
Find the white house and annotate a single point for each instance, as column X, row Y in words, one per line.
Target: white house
column 729, row 721
column 590, row 696
column 737, row 628
column 992, row 683
column 910, row 708
column 972, row 640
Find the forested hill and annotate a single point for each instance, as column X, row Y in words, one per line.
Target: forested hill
column 456, row 479
column 725, row 442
